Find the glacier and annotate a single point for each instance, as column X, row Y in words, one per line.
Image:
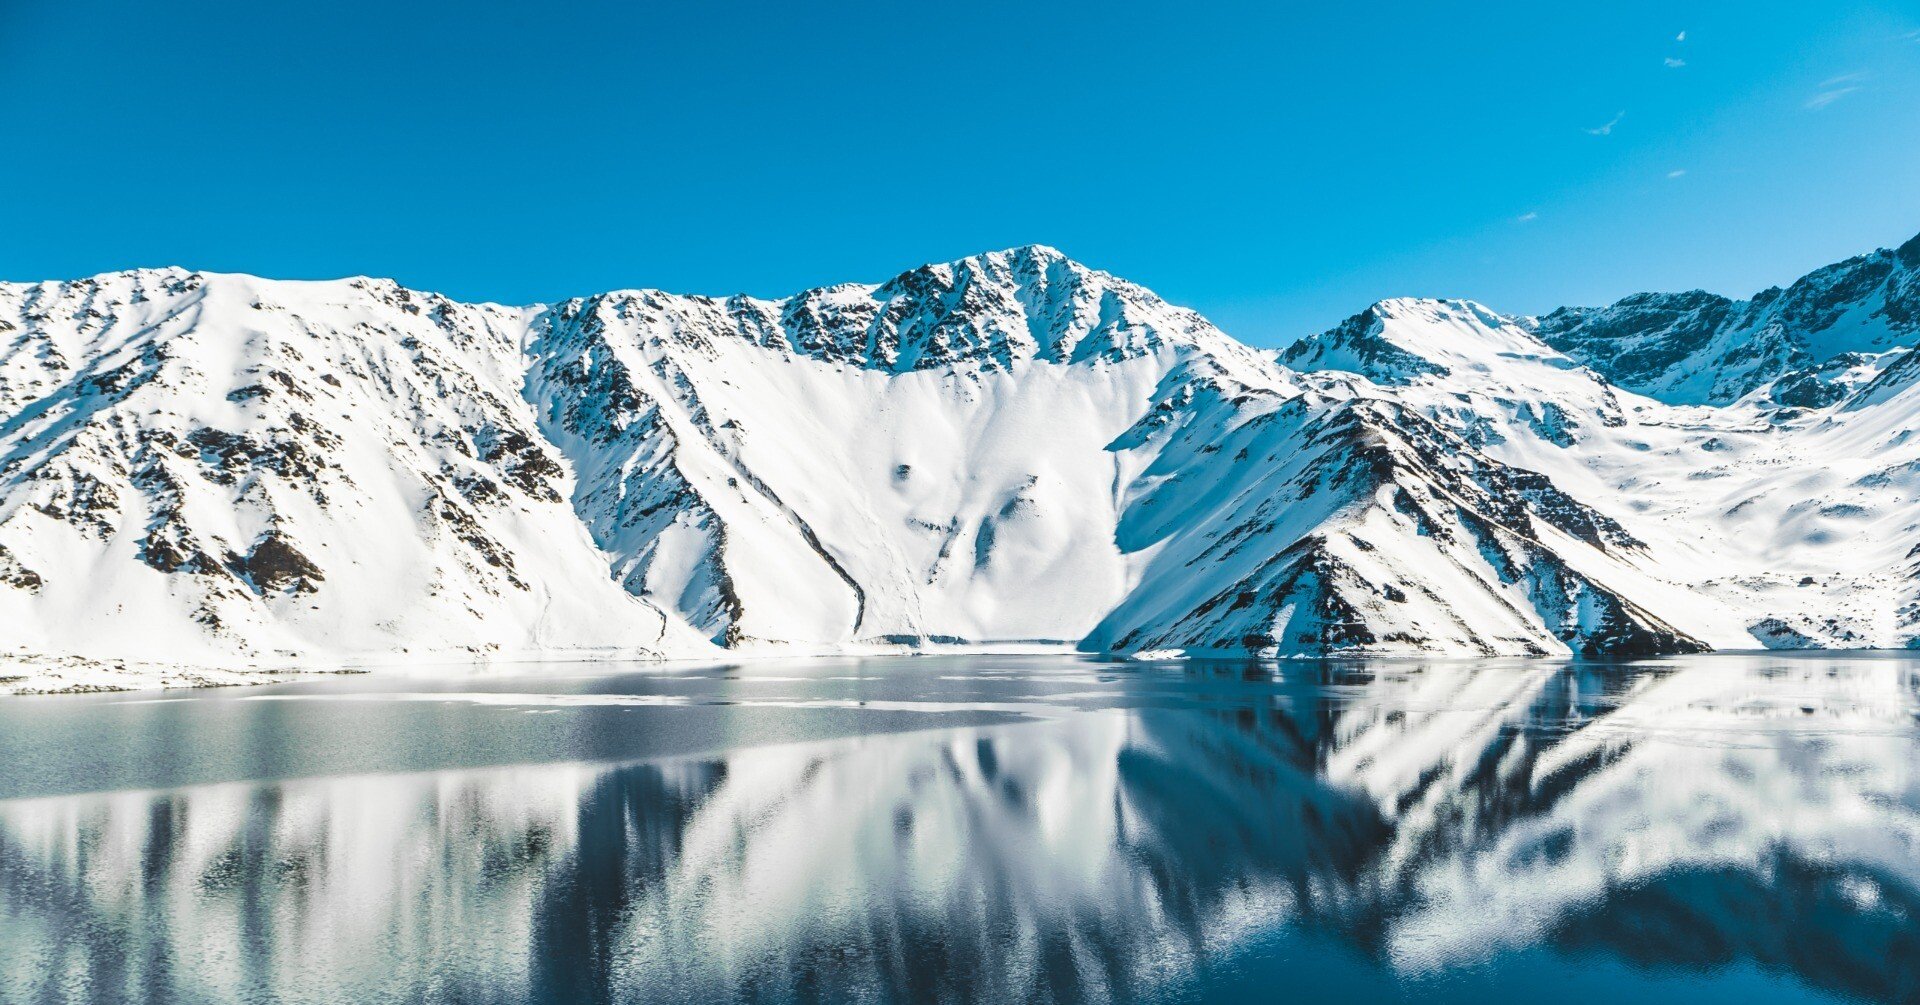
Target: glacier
column 207, row 474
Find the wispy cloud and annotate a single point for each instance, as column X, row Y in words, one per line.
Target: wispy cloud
column 1675, row 64
column 1682, row 37
column 1825, row 98
column 1833, row 89
column 1677, row 173
column 1528, row 217
column 1607, row 130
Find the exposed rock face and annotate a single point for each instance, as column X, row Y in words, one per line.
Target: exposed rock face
column 1008, row 447
column 276, row 566
column 18, row 576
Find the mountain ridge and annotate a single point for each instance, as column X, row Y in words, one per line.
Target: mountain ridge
column 1010, row 446
column 1653, row 342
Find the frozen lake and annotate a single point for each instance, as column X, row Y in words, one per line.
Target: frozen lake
column 975, row 828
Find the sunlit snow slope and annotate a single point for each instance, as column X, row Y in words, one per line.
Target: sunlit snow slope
column 1011, row 448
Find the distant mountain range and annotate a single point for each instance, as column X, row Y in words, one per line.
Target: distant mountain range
column 1011, row 448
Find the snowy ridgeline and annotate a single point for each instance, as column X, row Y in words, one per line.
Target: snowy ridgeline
column 224, row 471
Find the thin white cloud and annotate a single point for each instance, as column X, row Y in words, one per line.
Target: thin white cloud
column 1677, row 173
column 1528, row 217
column 1675, row 64
column 1833, row 89
column 1607, row 130
column 1682, row 37
column 1825, row 98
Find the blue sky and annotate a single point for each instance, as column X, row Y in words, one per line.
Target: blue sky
column 1277, row 166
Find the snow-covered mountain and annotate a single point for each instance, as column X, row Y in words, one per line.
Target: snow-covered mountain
column 1701, row 348
column 208, row 466
column 1011, row 448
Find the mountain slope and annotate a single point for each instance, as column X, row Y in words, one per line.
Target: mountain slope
column 1781, row 524
column 1357, row 525
column 213, row 467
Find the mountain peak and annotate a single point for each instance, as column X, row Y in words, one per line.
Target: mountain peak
column 1018, row 266
column 989, row 311
column 1909, row 253
column 1028, row 252
column 1402, row 339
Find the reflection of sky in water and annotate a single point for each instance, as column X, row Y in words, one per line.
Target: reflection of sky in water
column 1035, row 829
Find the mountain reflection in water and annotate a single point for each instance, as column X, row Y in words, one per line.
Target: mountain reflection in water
column 1746, row 824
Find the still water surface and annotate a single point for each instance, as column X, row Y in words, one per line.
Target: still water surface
column 975, row 829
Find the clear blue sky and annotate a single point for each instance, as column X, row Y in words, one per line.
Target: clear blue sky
column 1277, row 166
